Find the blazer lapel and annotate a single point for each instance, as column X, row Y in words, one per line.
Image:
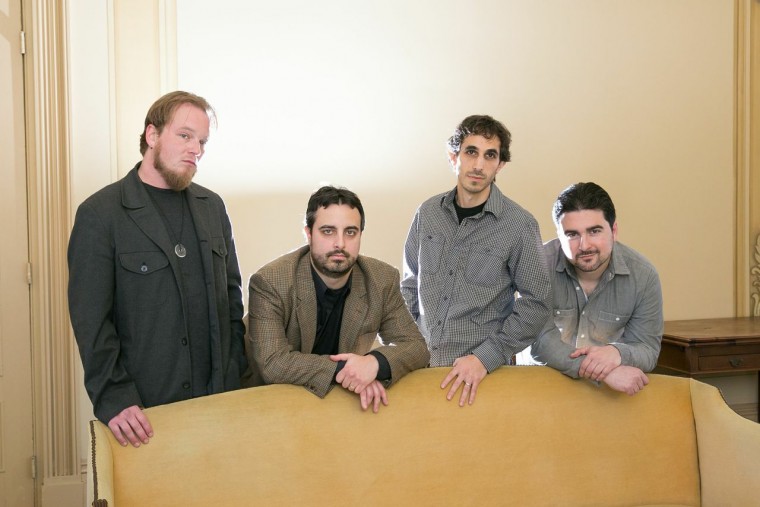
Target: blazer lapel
column 354, row 311
column 306, row 306
column 145, row 215
column 197, row 201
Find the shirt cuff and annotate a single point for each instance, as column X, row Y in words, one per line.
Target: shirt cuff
column 338, row 367
column 384, row 372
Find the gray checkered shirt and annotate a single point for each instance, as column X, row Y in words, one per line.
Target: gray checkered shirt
column 460, row 280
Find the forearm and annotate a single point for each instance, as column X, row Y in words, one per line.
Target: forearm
column 640, row 355
column 312, row 371
column 550, row 350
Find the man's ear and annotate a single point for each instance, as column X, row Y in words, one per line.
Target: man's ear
column 614, row 231
column 307, row 233
column 453, row 158
column 498, row 168
column 151, row 135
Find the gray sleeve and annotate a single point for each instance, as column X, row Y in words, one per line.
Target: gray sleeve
column 409, row 287
column 532, row 309
column 549, row 349
column 640, row 344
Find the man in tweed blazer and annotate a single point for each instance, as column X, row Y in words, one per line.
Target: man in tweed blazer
column 324, row 315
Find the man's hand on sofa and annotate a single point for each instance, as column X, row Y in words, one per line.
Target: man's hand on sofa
column 373, row 395
column 599, row 361
column 467, row 371
column 626, row 379
column 358, row 372
column 131, row 425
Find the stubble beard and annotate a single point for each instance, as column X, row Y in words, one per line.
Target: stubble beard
column 589, row 268
column 324, row 265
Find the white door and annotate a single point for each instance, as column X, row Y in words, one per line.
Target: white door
column 16, row 444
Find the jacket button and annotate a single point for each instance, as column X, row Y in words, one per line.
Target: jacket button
column 186, row 385
column 144, row 268
column 184, row 341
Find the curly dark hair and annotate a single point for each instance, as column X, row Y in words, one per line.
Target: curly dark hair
column 481, row 125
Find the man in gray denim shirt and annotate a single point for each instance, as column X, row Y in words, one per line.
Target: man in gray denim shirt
column 607, row 311
column 468, row 252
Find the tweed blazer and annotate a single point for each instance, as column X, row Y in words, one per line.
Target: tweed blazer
column 126, row 301
column 282, row 323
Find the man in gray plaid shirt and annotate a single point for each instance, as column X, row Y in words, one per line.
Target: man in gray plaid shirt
column 475, row 277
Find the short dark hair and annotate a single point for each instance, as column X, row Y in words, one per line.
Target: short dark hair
column 328, row 195
column 481, row 125
column 582, row 196
column 162, row 112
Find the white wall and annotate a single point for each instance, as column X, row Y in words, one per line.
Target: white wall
column 637, row 96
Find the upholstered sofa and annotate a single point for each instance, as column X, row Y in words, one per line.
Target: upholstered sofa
column 533, row 437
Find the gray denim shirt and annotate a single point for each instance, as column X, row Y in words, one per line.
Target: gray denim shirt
column 624, row 310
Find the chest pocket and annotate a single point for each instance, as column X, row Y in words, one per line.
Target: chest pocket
column 144, row 282
column 609, row 327
column 485, row 268
column 431, row 249
column 566, row 323
column 218, row 247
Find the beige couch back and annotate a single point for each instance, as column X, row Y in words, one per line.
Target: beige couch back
column 533, row 437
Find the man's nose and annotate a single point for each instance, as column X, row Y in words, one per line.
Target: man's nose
column 196, row 148
column 339, row 241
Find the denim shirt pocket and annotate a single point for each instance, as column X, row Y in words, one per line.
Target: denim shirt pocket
column 609, row 327
column 565, row 322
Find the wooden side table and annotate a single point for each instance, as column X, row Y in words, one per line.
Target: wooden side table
column 705, row 347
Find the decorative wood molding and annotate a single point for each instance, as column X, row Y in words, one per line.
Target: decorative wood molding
column 746, row 153
column 53, row 349
column 755, row 273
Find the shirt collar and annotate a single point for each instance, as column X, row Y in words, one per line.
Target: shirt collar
column 321, row 288
column 494, row 203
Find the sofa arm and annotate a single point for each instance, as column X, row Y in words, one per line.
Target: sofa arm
column 729, row 450
column 100, row 491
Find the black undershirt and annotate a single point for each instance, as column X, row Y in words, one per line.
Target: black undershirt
column 330, row 303
column 463, row 213
column 174, row 210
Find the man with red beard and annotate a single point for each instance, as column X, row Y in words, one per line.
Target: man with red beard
column 607, row 313
column 323, row 315
column 155, row 294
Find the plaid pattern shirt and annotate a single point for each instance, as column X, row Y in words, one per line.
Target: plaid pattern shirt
column 460, row 280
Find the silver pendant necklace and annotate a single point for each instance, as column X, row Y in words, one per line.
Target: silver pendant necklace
column 179, row 248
